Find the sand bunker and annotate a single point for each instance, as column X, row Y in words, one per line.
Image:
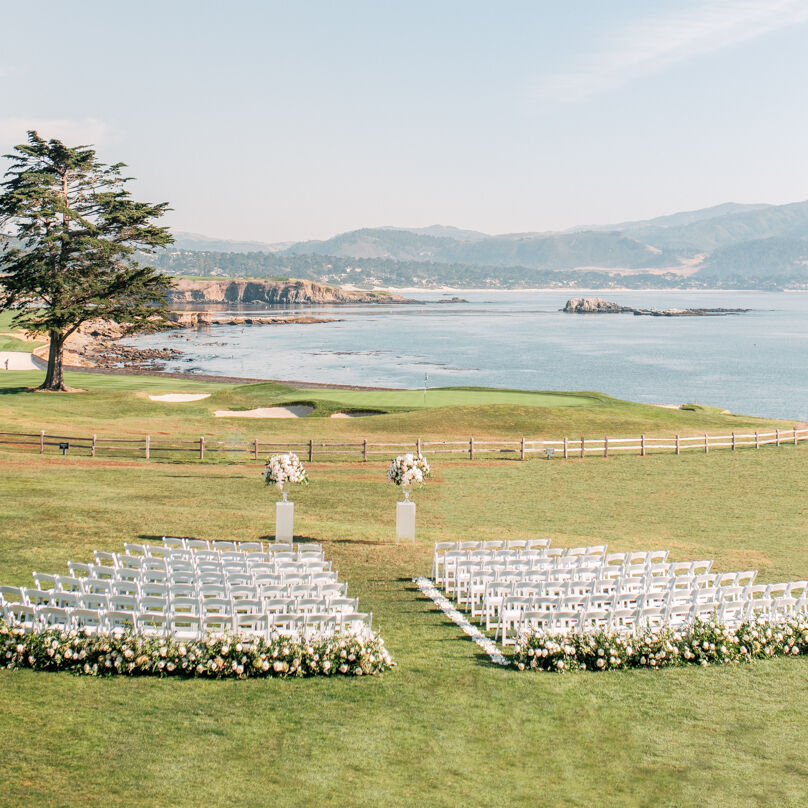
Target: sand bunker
column 17, row 360
column 178, row 397
column 295, row 411
column 356, row 414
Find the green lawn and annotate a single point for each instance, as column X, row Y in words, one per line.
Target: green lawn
column 119, row 406
column 446, row 727
column 14, row 344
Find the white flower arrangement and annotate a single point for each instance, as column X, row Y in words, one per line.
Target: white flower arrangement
column 701, row 643
column 231, row 656
column 284, row 468
column 408, row 470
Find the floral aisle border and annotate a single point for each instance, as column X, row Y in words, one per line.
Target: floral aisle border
column 447, row 607
column 214, row 657
column 701, row 643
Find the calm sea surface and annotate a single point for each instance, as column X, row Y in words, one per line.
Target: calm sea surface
column 751, row 363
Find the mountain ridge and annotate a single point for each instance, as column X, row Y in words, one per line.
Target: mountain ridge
column 744, row 244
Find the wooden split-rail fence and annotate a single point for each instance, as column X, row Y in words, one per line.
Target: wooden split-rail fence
column 203, row 448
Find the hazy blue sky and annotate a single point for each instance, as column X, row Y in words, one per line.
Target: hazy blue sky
column 276, row 121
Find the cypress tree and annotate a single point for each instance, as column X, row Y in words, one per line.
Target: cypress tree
column 69, row 229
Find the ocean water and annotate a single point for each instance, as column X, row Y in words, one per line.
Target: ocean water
column 752, row 363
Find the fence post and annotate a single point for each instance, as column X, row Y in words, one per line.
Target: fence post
column 606, row 446
column 365, row 450
column 201, row 447
column 92, row 448
column 311, row 450
column 757, row 441
column 706, row 443
column 565, row 447
column 148, row 446
column 733, row 441
column 642, row 445
column 522, row 449
column 42, row 440
column 255, row 449
column 418, row 446
column 471, row 448
column 777, row 437
column 583, row 450
column 677, row 444
column 795, row 435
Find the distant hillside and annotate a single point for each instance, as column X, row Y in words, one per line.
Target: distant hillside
column 194, row 241
column 762, row 260
column 675, row 219
column 745, row 246
column 780, row 221
column 544, row 251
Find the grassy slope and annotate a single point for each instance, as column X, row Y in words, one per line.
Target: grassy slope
column 119, row 406
column 446, row 727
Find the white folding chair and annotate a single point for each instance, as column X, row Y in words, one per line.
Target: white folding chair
column 12, row 594
column 51, row 617
column 87, row 620
column 186, row 626
column 45, row 581
column 21, row 615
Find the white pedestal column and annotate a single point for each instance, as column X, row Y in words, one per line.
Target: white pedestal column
column 284, row 521
column 405, row 520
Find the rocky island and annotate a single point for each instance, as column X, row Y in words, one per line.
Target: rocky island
column 596, row 305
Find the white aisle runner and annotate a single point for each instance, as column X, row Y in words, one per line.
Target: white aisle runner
column 447, row 607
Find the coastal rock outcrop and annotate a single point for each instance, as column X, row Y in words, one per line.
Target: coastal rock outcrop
column 271, row 292
column 594, row 305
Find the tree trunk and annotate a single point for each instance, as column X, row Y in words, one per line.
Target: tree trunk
column 54, row 379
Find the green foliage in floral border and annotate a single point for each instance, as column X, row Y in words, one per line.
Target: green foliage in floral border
column 215, row 657
column 702, row 643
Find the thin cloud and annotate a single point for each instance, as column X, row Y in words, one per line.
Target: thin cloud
column 72, row 131
column 651, row 45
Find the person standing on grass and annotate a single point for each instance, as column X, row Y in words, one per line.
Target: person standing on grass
column 6, row 364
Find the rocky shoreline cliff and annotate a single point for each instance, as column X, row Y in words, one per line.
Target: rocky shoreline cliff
column 271, row 293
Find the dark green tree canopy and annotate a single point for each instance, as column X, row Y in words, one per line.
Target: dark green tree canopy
column 70, row 230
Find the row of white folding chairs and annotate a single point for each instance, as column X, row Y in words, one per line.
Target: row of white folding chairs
column 572, row 556
column 123, row 579
column 463, row 569
column 127, row 571
column 268, row 549
column 595, row 554
column 637, row 563
column 175, row 542
column 259, row 561
column 643, row 564
column 680, row 589
column 449, row 581
column 163, row 599
column 641, row 617
column 190, row 560
column 511, row 545
column 112, row 589
column 471, row 590
column 301, row 551
column 445, row 562
column 180, row 625
column 670, row 611
column 603, row 580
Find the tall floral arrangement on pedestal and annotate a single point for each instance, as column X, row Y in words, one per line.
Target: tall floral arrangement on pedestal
column 408, row 470
column 285, row 468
